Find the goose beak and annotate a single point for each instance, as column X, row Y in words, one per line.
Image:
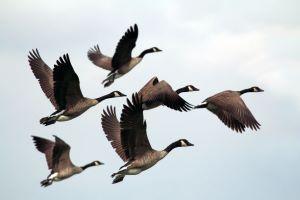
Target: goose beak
column 196, row 89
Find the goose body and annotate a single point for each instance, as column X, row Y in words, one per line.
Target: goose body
column 129, row 139
column 58, row 159
column 156, row 93
column 62, row 87
column 122, row 62
column 231, row 109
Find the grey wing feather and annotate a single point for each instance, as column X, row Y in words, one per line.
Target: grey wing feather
column 124, row 48
column 44, row 74
column 112, row 130
column 231, row 103
column 162, row 92
column 99, row 59
column 45, row 146
column 61, row 155
column 133, row 129
column 66, row 83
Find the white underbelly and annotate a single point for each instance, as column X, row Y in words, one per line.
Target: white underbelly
column 62, row 118
column 118, row 75
column 134, row 171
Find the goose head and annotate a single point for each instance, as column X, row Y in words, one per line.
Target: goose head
column 97, row 163
column 184, row 143
column 252, row 89
column 154, row 49
column 256, row 89
column 117, row 94
column 150, row 50
column 110, row 95
column 92, row 164
column 178, row 143
column 188, row 88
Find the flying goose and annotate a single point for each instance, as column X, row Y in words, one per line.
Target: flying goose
column 130, row 141
column 62, row 88
column 58, row 159
column 121, row 62
column 156, row 93
column 231, row 109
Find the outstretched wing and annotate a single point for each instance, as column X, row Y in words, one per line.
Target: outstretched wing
column 44, row 146
column 124, row 48
column 112, row 130
column 67, row 90
column 61, row 155
column 99, row 59
column 233, row 111
column 44, row 74
column 134, row 138
column 162, row 92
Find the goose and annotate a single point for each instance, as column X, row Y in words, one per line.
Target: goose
column 231, row 109
column 121, row 62
column 58, row 159
column 156, row 93
column 130, row 141
column 62, row 88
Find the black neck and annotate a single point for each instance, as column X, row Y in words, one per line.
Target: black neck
column 88, row 165
column 245, row 91
column 172, row 146
column 145, row 52
column 105, row 97
column 180, row 90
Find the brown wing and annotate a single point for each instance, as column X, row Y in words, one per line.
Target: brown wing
column 44, row 146
column 112, row 130
column 100, row 60
column 61, row 155
column 124, row 48
column 44, row 74
column 230, row 121
column 148, row 86
column 133, row 129
column 66, row 83
column 163, row 93
column 231, row 103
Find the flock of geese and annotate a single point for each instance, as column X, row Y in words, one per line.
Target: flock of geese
column 128, row 136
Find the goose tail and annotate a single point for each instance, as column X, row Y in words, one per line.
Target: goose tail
column 46, row 182
column 48, row 120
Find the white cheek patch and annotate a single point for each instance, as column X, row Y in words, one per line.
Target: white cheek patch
column 190, row 88
column 116, row 94
column 183, row 144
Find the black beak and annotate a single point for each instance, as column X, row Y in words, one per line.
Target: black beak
column 196, row 89
column 190, row 144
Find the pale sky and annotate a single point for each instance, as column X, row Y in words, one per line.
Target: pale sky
column 214, row 45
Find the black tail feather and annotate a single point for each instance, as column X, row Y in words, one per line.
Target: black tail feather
column 204, row 105
column 109, row 80
column 46, row 182
column 118, row 178
column 48, row 120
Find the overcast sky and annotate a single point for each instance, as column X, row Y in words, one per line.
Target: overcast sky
column 214, row 45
